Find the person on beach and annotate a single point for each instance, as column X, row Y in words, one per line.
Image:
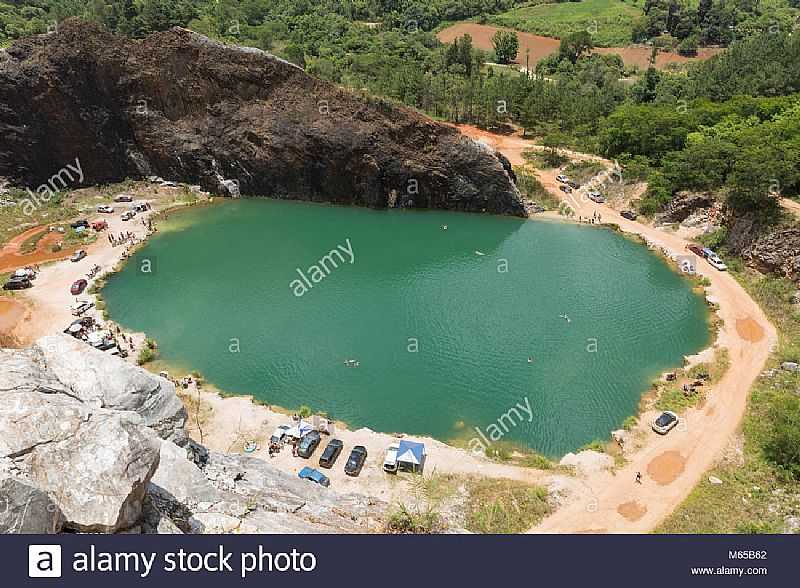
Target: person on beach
column 638, row 477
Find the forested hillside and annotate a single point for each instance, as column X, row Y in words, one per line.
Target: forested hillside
column 689, row 129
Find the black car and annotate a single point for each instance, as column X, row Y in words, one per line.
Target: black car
column 331, row 453
column 80, row 223
column 309, row 444
column 628, row 214
column 356, row 460
column 17, row 283
column 573, row 184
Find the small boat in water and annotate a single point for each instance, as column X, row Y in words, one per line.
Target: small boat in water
column 565, row 317
column 479, row 252
column 352, row 363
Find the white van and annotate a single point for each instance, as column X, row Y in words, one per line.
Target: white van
column 390, row 461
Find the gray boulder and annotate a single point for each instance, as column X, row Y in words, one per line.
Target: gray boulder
column 99, row 476
column 103, row 381
column 86, row 444
column 25, row 509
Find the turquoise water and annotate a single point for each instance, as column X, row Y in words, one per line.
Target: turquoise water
column 442, row 334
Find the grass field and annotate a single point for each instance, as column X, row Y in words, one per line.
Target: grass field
column 609, row 21
column 754, row 495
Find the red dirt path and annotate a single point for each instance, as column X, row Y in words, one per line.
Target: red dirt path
column 11, row 258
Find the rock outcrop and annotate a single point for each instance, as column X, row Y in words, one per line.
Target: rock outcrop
column 90, row 443
column 777, row 252
column 235, row 120
column 682, row 206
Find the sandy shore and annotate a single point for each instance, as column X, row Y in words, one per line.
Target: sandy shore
column 228, row 423
column 673, row 464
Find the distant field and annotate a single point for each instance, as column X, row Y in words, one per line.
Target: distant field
column 609, row 21
column 541, row 47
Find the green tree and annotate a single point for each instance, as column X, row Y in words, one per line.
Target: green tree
column 506, row 45
column 575, row 45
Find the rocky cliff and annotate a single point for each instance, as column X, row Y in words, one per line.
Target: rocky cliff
column 183, row 107
column 89, row 443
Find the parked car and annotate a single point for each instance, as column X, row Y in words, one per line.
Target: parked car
column 717, row 263
column 140, row 207
column 665, row 422
column 390, row 461
column 82, row 307
column 356, row 460
column 99, row 225
column 123, row 198
column 25, row 272
column 308, row 445
column 331, row 453
column 126, row 216
column 573, row 184
column 78, row 255
column 714, row 260
column 279, row 434
column 628, row 214
column 315, row 476
column 696, row 249
column 596, row 196
column 17, row 283
column 78, row 286
column 566, row 189
column 102, row 340
column 562, row 178
column 83, row 223
column 105, row 208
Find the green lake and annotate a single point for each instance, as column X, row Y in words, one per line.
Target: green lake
column 441, row 333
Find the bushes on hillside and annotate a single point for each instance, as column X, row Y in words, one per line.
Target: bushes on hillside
column 783, row 442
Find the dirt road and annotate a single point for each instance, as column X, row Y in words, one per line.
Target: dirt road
column 12, row 258
column 671, row 465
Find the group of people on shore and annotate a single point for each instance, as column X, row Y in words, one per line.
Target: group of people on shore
column 595, row 219
column 121, row 239
column 127, row 340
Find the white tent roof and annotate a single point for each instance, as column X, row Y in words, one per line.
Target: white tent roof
column 408, row 457
column 301, row 429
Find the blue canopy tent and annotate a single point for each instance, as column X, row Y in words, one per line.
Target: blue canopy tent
column 411, row 456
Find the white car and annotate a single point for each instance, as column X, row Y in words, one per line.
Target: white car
column 716, row 262
column 665, row 422
column 562, row 178
column 279, row 434
column 596, row 196
column 390, row 461
column 126, row 216
column 105, row 208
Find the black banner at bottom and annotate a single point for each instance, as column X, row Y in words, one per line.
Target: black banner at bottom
column 386, row 561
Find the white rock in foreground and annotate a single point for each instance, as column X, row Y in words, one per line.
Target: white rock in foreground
column 588, row 462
